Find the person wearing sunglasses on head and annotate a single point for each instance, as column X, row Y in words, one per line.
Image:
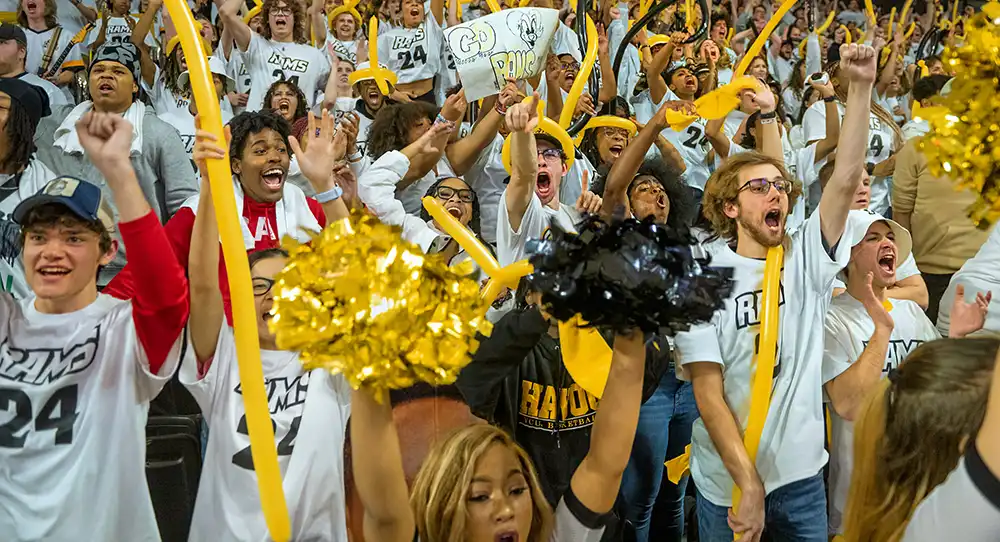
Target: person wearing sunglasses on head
column 747, row 201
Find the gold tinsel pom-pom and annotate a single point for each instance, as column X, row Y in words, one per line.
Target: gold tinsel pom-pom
column 964, row 141
column 360, row 301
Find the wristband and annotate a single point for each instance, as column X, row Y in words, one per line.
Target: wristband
column 502, row 109
column 768, row 120
column 440, row 119
column 330, row 195
column 829, row 99
column 355, row 157
column 769, row 116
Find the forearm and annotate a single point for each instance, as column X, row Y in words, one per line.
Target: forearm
column 609, row 86
column 203, row 274
column 657, row 86
column 318, row 19
column 852, row 148
column 718, row 140
column 463, row 153
column 902, row 218
column 726, row 435
column 771, row 139
column 145, row 23
column 128, row 197
column 238, row 29
column 378, row 470
column 88, row 13
column 913, row 288
column 848, row 391
column 524, row 173
column 625, row 168
column 554, row 105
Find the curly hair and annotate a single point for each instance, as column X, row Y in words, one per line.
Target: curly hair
column 253, row 122
column 51, row 19
column 390, row 131
column 20, row 132
column 474, row 223
column 683, row 207
column 299, row 33
column 300, row 98
column 171, row 71
column 723, row 188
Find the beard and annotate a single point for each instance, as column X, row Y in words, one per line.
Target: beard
column 761, row 234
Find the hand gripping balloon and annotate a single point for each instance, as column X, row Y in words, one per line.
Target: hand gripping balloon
column 760, row 395
column 547, row 126
column 262, row 446
column 758, row 44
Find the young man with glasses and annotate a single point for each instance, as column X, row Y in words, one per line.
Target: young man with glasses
column 531, row 200
column 747, row 201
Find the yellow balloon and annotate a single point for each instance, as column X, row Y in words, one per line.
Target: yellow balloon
column 262, row 446
column 826, row 24
column 566, row 117
column 905, row 12
column 494, row 6
column 758, row 43
column 721, row 101
column 760, row 395
column 909, row 31
column 609, row 121
column 870, row 9
column 586, row 355
column 679, row 121
column 547, row 126
column 892, row 19
column 509, row 276
column 463, row 236
column 848, row 37
column 729, row 35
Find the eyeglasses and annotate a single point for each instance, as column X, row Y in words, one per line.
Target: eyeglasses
column 610, row 132
column 464, row 194
column 571, row 65
column 282, row 11
column 550, row 154
column 763, row 186
column 261, row 286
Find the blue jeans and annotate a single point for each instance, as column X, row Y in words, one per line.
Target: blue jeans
column 663, row 432
column 794, row 513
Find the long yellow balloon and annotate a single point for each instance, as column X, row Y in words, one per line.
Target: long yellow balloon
column 380, row 81
column 905, row 12
column 760, row 396
column 262, row 446
column 870, row 9
column 566, row 116
column 494, row 6
column 758, row 43
column 892, row 19
column 826, row 24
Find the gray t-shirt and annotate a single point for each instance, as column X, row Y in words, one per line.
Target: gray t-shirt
column 965, row 507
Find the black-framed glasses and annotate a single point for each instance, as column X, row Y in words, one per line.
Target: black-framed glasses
column 550, row 154
column 261, row 286
column 465, row 195
column 611, row 131
column 763, row 185
column 571, row 65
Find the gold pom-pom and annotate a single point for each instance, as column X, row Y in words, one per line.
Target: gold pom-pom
column 963, row 142
column 360, row 301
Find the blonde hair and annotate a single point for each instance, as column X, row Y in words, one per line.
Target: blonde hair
column 438, row 496
column 723, row 187
column 911, row 431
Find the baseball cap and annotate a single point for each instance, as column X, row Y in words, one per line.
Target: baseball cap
column 858, row 223
column 83, row 199
column 10, row 31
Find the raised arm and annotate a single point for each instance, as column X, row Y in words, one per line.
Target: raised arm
column 238, row 29
column 324, row 147
column 858, row 66
column 627, row 165
column 767, row 128
column 522, row 119
column 378, row 470
column 138, row 39
column 453, row 111
column 889, row 70
column 654, row 77
column 203, row 260
column 319, row 24
column 828, row 144
column 463, row 153
column 596, row 482
column 609, row 86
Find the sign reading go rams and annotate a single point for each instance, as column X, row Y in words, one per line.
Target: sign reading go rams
column 513, row 43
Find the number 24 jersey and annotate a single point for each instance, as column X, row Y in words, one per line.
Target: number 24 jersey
column 269, row 61
column 309, row 412
column 74, row 395
column 414, row 54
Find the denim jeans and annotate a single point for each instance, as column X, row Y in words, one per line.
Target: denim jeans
column 793, row 513
column 664, row 431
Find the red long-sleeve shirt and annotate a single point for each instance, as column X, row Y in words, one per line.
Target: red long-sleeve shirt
column 261, row 219
column 160, row 303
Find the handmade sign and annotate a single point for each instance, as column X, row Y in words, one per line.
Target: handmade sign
column 513, row 43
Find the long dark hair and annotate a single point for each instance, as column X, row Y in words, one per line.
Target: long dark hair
column 797, row 81
column 390, row 131
column 300, row 98
column 588, row 145
column 172, row 70
column 20, row 132
column 474, row 223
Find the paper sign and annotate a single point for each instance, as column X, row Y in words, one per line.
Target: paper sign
column 512, row 43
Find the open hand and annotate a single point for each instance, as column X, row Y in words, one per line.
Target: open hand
column 426, row 143
column 320, row 154
column 764, row 98
column 968, row 318
column 875, row 307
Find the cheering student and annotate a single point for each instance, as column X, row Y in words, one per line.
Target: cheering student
column 309, row 409
column 927, row 464
column 369, row 102
column 478, row 484
column 414, row 50
column 868, row 335
column 78, row 368
column 12, row 63
column 279, row 52
column 270, row 208
column 747, row 201
column 531, row 199
column 21, row 174
column 48, row 43
column 156, row 149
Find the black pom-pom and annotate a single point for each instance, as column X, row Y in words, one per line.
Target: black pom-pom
column 627, row 275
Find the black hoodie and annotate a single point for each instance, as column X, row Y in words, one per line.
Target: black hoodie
column 517, row 381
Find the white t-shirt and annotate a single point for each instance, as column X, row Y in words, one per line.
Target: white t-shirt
column 981, row 273
column 414, row 54
column 791, row 445
column 848, row 330
column 268, row 61
column 38, row 46
column 309, row 412
column 486, row 177
column 347, row 50
column 32, row 180
column 511, row 245
column 57, row 96
column 76, row 391
column 412, row 195
column 118, row 31
column 881, row 140
column 964, row 507
column 165, row 101
column 183, row 121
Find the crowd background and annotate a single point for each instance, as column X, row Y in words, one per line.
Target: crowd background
column 313, row 138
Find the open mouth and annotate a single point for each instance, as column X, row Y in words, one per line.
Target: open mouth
column 887, row 263
column 414, row 12
column 570, row 77
column 31, row 6
column 616, row 150
column 773, row 219
column 106, row 86
column 506, row 537
column 284, row 106
column 273, row 178
column 53, row 271
column 691, row 82
column 454, row 211
column 543, row 184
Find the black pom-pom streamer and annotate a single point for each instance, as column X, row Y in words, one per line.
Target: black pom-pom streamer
column 627, row 275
